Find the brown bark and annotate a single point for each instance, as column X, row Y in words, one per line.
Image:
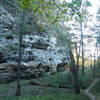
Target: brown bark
column 75, row 73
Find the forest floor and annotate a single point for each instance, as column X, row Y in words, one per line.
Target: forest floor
column 36, row 92
column 28, row 89
column 40, row 91
column 30, row 92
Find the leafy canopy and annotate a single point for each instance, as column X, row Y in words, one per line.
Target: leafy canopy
column 54, row 10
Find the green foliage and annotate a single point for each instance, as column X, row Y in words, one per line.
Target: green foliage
column 98, row 63
column 49, row 97
column 88, row 3
column 82, row 13
column 96, row 89
column 61, row 79
column 63, row 36
column 53, row 10
column 97, row 68
column 64, row 79
column 25, row 3
column 85, row 81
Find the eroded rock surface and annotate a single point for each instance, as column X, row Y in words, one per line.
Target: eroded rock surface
column 39, row 54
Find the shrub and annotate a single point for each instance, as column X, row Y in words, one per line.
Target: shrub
column 64, row 79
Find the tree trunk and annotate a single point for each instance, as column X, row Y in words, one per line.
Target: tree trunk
column 77, row 54
column 94, row 68
column 91, row 63
column 18, row 74
column 18, row 91
column 75, row 73
column 82, row 50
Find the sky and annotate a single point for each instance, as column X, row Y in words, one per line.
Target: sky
column 93, row 10
column 95, row 6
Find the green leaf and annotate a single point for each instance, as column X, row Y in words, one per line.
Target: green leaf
column 88, row 3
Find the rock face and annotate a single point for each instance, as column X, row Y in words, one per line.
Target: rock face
column 39, row 54
column 2, row 58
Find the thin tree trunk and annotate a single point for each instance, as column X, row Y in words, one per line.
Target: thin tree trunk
column 82, row 50
column 77, row 57
column 18, row 91
column 18, row 74
column 94, row 68
column 75, row 73
column 77, row 62
column 97, row 52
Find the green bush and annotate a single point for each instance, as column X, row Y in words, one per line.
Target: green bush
column 85, row 81
column 64, row 79
column 61, row 79
column 96, row 88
